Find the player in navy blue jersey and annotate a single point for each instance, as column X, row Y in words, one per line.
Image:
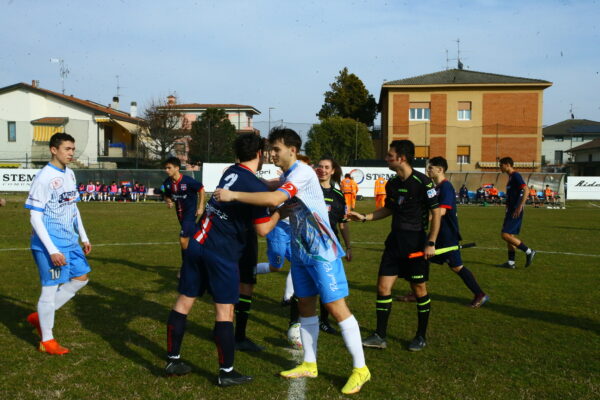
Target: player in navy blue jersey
column 212, row 258
column 516, row 197
column 449, row 234
column 186, row 195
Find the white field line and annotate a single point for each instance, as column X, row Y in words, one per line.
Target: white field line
column 297, row 388
column 595, row 205
column 262, row 240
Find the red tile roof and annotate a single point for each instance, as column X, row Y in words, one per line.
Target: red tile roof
column 50, row 121
column 204, row 106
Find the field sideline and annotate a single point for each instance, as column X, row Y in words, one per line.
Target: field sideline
column 538, row 338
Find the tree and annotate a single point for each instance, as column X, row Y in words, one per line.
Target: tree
column 212, row 137
column 349, row 98
column 163, row 128
column 343, row 139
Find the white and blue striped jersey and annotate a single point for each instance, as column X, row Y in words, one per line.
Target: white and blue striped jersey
column 312, row 236
column 54, row 193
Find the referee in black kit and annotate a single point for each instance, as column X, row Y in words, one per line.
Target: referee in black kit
column 410, row 197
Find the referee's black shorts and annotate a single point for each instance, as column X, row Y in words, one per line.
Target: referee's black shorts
column 248, row 261
column 395, row 261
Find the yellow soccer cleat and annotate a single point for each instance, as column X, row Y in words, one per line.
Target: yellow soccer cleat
column 359, row 377
column 304, row 370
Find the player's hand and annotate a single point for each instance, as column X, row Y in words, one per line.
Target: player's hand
column 87, row 248
column 349, row 254
column 169, row 203
column 354, row 216
column 58, row 259
column 429, row 252
column 517, row 212
column 224, row 195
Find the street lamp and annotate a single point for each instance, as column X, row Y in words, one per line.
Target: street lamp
column 270, row 108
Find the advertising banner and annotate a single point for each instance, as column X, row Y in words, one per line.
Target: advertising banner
column 583, row 188
column 16, row 180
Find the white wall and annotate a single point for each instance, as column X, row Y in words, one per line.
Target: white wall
column 583, row 188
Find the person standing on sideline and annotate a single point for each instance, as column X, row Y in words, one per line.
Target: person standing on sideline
column 513, row 219
column 411, row 198
column 347, row 186
column 57, row 229
column 380, row 192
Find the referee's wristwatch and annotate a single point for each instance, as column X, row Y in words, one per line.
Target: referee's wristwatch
column 430, row 243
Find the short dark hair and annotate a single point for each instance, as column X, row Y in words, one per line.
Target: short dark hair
column 507, row 160
column 247, row 145
column 176, row 162
column 439, row 162
column 347, row 176
column 289, row 137
column 404, row 148
column 57, row 139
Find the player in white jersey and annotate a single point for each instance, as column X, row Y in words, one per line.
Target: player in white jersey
column 317, row 267
column 57, row 228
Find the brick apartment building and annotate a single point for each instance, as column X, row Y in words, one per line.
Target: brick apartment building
column 471, row 118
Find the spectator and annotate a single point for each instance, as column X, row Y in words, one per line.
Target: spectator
column 493, row 195
column 142, row 192
column 480, row 195
column 533, row 197
column 125, row 193
column 463, row 194
column 114, row 190
column 549, row 197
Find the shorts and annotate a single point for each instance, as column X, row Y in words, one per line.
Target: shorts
column 511, row 225
column 50, row 275
column 395, row 261
column 452, row 258
column 188, row 228
column 326, row 279
column 204, row 270
column 248, row 261
column 278, row 245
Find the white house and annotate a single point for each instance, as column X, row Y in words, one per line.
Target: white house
column 562, row 136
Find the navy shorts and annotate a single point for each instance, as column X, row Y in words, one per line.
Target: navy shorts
column 395, row 261
column 452, row 258
column 512, row 225
column 204, row 270
column 188, row 228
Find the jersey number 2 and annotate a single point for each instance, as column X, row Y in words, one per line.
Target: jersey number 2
column 230, row 179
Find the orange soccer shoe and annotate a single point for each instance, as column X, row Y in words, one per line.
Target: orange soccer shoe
column 34, row 320
column 52, row 347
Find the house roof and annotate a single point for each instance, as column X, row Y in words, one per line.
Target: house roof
column 570, row 127
column 465, row 77
column 87, row 104
column 199, row 106
column 594, row 144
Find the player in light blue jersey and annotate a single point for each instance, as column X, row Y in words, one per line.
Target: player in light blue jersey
column 57, row 229
column 317, row 267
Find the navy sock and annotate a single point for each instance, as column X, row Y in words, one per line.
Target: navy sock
column 324, row 316
column 242, row 312
column 175, row 331
column 383, row 307
column 225, row 341
column 294, row 312
column 522, row 247
column 467, row 276
column 511, row 255
column 423, row 309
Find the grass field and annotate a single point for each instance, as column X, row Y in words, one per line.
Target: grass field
column 538, row 337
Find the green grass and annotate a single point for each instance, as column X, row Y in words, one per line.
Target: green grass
column 538, row 338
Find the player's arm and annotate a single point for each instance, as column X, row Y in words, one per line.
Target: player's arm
column 87, row 247
column 345, row 229
column 263, row 228
column 262, row 199
column 380, row 213
column 272, row 184
column 37, row 222
column 201, row 201
column 434, row 229
column 521, row 205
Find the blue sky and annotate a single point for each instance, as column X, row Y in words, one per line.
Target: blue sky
column 284, row 54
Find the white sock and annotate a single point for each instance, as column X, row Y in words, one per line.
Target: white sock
column 309, row 334
column 528, row 252
column 511, row 262
column 66, row 291
column 45, row 308
column 262, row 268
column 353, row 341
column 289, row 287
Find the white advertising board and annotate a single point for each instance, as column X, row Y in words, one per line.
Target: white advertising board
column 583, row 187
column 16, row 180
column 364, row 176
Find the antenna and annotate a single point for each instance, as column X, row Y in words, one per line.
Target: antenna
column 459, row 63
column 118, row 87
column 447, row 59
column 571, row 111
column 64, row 71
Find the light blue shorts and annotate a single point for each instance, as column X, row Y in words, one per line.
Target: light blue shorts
column 326, row 279
column 278, row 245
column 50, row 275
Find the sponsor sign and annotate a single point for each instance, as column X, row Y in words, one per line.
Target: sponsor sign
column 583, row 187
column 18, row 180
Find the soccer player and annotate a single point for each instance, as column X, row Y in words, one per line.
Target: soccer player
column 449, row 234
column 549, row 196
column 533, row 197
column 211, row 261
column 114, row 190
column 411, row 197
column 380, row 192
column 317, row 267
column 57, row 229
column 90, row 191
column 464, row 194
column 515, row 206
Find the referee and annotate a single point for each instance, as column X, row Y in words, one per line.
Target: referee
column 410, row 197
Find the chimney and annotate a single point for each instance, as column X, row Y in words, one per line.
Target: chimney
column 133, row 109
column 35, row 83
column 115, row 103
column 171, row 100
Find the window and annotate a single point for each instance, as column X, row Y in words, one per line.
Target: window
column 12, row 131
column 463, row 155
column 421, row 151
column 559, row 139
column 464, row 110
column 558, row 157
column 578, row 138
column 418, row 112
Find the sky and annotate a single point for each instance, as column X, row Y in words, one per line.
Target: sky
column 284, row 54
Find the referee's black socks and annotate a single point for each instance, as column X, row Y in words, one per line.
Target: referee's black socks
column 467, row 276
column 383, row 307
column 225, row 341
column 423, row 308
column 242, row 312
column 175, row 330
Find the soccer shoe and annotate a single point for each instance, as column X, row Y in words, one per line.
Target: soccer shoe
column 247, row 345
column 52, row 347
column 232, row 378
column 325, row 327
column 34, row 320
column 304, row 370
column 479, row 300
column 529, row 258
column 417, row 344
column 177, row 367
column 375, row 341
column 407, row 298
column 507, row 265
column 286, row 302
column 359, row 377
